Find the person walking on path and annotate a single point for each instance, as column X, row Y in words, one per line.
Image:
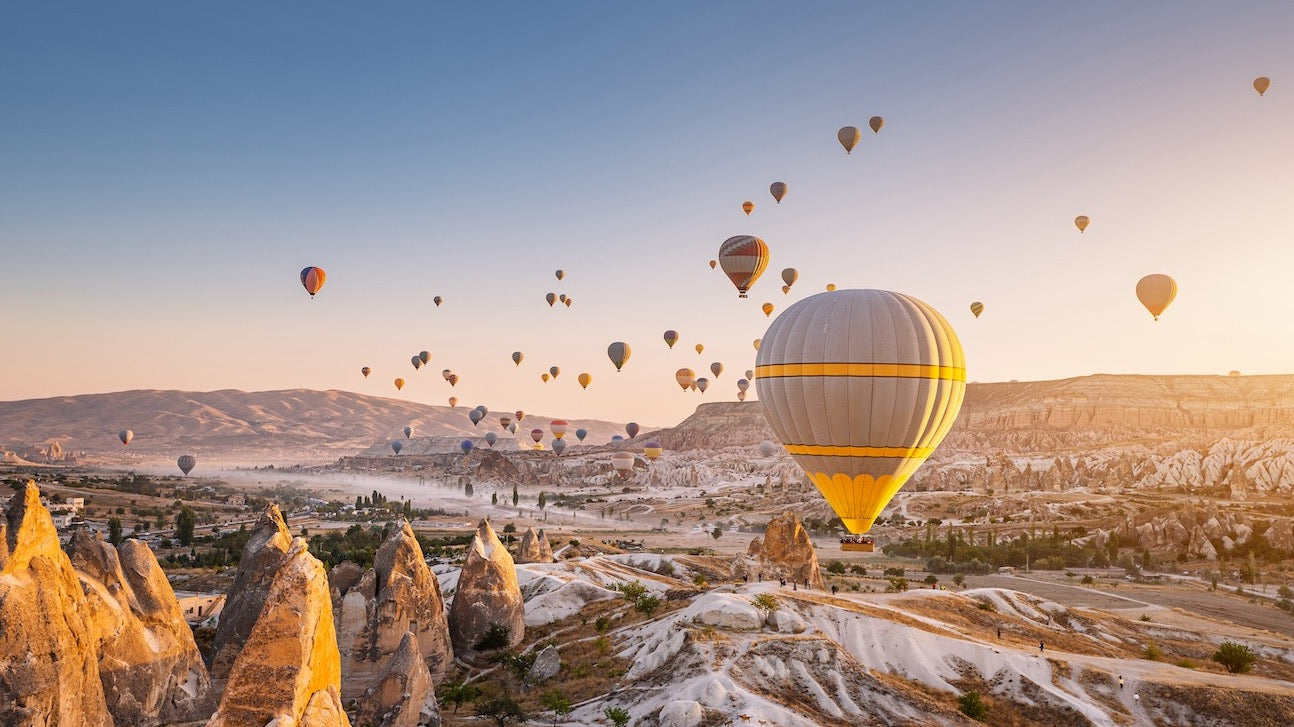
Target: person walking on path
column 1041, row 647
column 999, row 631
column 1120, row 681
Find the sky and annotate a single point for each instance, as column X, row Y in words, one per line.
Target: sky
column 167, row 169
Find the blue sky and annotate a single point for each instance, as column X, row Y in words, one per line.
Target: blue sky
column 168, row 168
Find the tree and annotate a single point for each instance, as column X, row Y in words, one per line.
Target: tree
column 515, row 497
column 359, row 502
column 114, row 531
column 959, row 580
column 456, row 693
column 931, row 579
column 647, row 605
column 502, row 709
column 494, row 498
column 558, row 703
column 836, row 568
column 717, row 532
column 543, row 500
column 1237, row 658
column 618, row 716
column 497, row 636
column 184, row 523
column 972, row 706
column 467, row 489
column 765, row 602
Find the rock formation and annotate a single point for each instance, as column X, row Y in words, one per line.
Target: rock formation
column 262, row 556
column 534, row 547
column 289, row 668
column 148, row 662
column 548, row 662
column 49, row 662
column 786, row 552
column 398, row 594
column 402, row 694
column 487, row 594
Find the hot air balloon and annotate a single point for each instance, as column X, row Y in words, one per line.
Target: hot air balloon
column 483, row 408
column 125, row 436
column 743, row 384
column 544, row 377
column 623, row 462
column 399, row 384
column 767, row 308
column 741, row 396
column 560, row 274
column 703, row 384
column 786, row 289
column 693, row 386
column 713, row 263
column 580, row 434
column 684, row 377
column 1081, row 222
column 551, row 298
column 504, row 421
column 778, row 190
column 716, row 368
column 750, row 374
column 558, row 427
column 567, row 302
column 756, row 343
column 417, row 362
column 746, row 207
column 491, row 438
column 559, row 446
column 699, row 348
column 618, row 352
column 437, row 300
column 617, row 438
column 652, row 451
column 1156, row 292
column 671, row 338
column 876, row 123
column 743, row 259
column 466, row 446
column 408, row 432
column 1261, row 84
column 517, row 356
column 476, row 416
column 453, row 402
column 977, row 308
column 313, row 280
column 536, row 434
column 512, row 427
column 631, row 429
column 561, row 298
column 424, row 356
column 585, row 379
column 790, row 275
column 849, row 136
column 767, row 448
column 446, row 373
column 453, row 379
column 187, row 462
column 396, row 446
column 831, row 287
column 521, row 415
column 861, row 386
column 366, row 371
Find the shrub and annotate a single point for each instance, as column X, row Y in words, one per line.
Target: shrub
column 1186, row 663
column 556, row 702
column 647, row 605
column 1151, row 652
column 1087, row 580
column 618, row 716
column 972, row 706
column 1145, row 617
column 857, row 570
column 602, row 624
column 986, row 606
column 931, row 579
column 699, row 580
column 501, row 708
column 497, row 636
column 896, row 572
column 898, row 585
column 959, row 580
column 1237, row 658
column 632, row 591
column 836, row 568
column 765, row 602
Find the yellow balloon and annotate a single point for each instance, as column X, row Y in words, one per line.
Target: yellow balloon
column 757, row 343
column 584, row 380
column 1081, row 222
column 746, row 207
column 453, row 402
column 861, row 386
column 831, row 287
column 685, row 377
column 1261, row 84
column 1156, row 292
column 767, row 308
column 977, row 308
column 544, row 377
column 399, row 384
column 699, row 348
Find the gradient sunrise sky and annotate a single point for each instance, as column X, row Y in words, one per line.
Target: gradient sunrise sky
column 167, row 169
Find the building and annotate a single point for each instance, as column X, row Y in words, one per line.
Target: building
column 200, row 609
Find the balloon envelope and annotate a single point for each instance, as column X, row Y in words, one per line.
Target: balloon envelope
column 741, row 396
column 876, row 123
column 186, row 463
column 1156, row 292
column 466, row 446
column 408, row 432
column 685, row 377
column 491, row 438
column 453, row 402
column 768, row 309
column 558, row 427
column 652, row 451
column 585, row 379
column 504, row 421
column 767, row 448
column 743, row 384
column 617, row 438
column 778, row 190
column 476, row 416
column 1261, row 84
column 416, row 361
column 861, row 386
column 536, row 434
column 746, row 207
column 623, row 462
column 977, row 308
column 366, row 371
column 544, row 377
column 631, row 429
column 1081, row 222
column 790, row 275
column 702, row 384
column 425, row 356
column 580, row 434
column 559, row 446
column 437, row 300
column 551, row 298
column 849, row 136
column 521, row 415
column 125, row 436
column 618, row 352
column 517, row 356
column 396, row 446
column 313, row 280
column 671, row 338
column 743, row 258
column 554, row 371
column 560, row 274
column 399, row 384
column 716, row 368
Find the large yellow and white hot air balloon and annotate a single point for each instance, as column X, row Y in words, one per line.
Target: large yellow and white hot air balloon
column 744, row 258
column 1156, row 292
column 861, row 386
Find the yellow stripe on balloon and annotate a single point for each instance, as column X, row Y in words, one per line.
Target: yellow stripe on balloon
column 902, row 371
column 829, row 450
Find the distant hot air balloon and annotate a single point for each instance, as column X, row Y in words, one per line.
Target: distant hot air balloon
column 554, row 371
column 876, row 123
column 536, row 434
column 437, row 300
column 746, row 207
column 831, row 287
column 767, row 308
column 693, row 387
column 559, row 446
column 562, row 298
column 1233, row 373
column 684, row 377
column 671, row 338
column 617, row 438
column 125, row 436
column 977, row 308
column 1081, row 222
column 580, row 434
column 517, row 356
column 703, row 384
column 476, row 416
column 484, row 410
column 399, row 384
column 786, row 289
column 619, row 353
column 560, row 274
column 713, row 263
column 750, row 374
column 446, row 373
column 313, row 279
column 491, row 438
column 790, row 275
column 396, row 446
column 743, row 384
column 631, row 429
column 558, row 427
column 1261, row 84
column 504, row 421
column 699, row 348
column 623, row 462
column 466, row 446
column 453, row 402
column 756, row 343
column 424, row 356
column 585, row 379
column 453, row 379
column 551, row 298
column 767, row 448
column 849, row 136
column 716, row 368
column 366, row 371
column 521, row 415
column 778, row 190
column 743, row 259
column 860, row 386
column 187, row 462
column 512, row 427
column 652, row 451
column 1156, row 292
column 568, row 301
column 741, row 396
column 544, row 377
column 408, row 432
column 417, row 362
